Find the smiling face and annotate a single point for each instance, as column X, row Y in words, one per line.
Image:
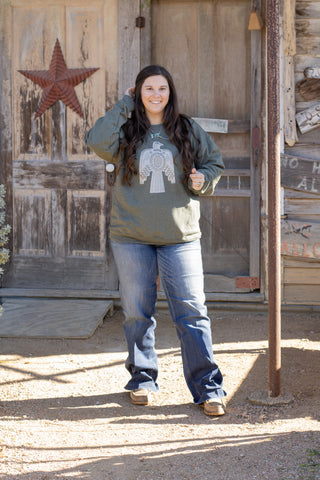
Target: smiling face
column 155, row 94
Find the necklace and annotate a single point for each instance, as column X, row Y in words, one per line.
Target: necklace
column 155, row 135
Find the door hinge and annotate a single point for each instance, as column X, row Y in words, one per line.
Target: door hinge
column 140, row 22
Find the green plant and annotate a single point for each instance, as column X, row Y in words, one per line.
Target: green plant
column 310, row 470
column 4, row 230
column 147, row 4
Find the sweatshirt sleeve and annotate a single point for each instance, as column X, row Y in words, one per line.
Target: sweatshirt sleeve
column 104, row 137
column 209, row 162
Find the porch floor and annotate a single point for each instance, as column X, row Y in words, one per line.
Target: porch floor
column 52, row 317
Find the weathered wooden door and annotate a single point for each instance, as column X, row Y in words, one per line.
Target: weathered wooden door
column 58, row 200
column 215, row 61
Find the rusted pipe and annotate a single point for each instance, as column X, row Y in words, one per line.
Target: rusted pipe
column 274, row 267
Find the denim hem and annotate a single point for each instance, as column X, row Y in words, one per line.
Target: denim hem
column 210, row 395
column 132, row 385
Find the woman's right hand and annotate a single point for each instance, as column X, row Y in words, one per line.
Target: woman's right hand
column 130, row 91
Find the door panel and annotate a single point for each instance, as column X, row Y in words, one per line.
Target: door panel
column 206, row 45
column 61, row 200
column 225, row 253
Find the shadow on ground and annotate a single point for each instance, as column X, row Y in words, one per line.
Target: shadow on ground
column 112, row 440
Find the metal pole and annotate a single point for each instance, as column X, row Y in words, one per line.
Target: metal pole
column 274, row 275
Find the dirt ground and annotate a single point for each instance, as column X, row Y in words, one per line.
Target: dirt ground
column 64, row 413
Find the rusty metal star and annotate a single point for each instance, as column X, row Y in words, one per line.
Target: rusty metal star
column 58, row 82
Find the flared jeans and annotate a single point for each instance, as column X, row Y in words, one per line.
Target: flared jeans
column 181, row 273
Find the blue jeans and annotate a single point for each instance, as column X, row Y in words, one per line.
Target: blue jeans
column 180, row 270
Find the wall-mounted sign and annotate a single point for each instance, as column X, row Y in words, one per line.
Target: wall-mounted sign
column 212, row 125
column 309, row 119
column 300, row 239
column 300, row 174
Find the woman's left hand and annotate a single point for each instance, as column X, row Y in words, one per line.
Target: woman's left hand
column 197, row 179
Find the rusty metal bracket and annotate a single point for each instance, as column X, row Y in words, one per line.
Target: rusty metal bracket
column 140, row 22
column 252, row 283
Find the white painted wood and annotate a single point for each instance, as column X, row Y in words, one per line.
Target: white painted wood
column 212, row 125
column 312, row 72
column 309, row 119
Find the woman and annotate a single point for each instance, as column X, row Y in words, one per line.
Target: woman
column 165, row 161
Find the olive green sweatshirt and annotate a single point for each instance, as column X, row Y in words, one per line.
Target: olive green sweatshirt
column 158, row 208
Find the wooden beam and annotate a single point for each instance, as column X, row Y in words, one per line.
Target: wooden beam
column 309, row 88
column 59, row 175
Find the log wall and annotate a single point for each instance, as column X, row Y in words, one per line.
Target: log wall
column 300, row 163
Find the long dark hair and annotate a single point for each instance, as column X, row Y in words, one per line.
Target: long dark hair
column 176, row 125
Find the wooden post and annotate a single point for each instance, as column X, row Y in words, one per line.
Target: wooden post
column 274, row 237
column 255, row 128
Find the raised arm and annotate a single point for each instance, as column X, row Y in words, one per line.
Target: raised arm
column 104, row 137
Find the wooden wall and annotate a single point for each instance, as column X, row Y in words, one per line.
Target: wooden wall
column 301, row 158
column 58, row 203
